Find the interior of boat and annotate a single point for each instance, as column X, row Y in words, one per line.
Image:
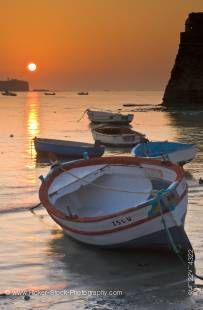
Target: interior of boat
column 107, row 189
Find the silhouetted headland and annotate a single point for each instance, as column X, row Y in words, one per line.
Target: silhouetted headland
column 14, row 85
column 185, row 86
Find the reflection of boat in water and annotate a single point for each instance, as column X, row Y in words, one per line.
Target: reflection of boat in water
column 50, row 93
column 119, row 202
column 67, row 149
column 178, row 153
column 109, row 117
column 8, row 93
column 126, row 270
column 82, row 93
column 117, row 136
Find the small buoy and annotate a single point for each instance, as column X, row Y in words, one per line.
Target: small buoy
column 26, row 297
column 11, row 135
column 200, row 181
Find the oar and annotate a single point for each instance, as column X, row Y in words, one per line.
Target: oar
column 82, row 115
column 36, row 206
column 53, row 160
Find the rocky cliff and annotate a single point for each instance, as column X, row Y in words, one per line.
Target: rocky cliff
column 185, row 86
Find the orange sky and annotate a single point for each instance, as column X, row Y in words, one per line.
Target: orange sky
column 92, row 44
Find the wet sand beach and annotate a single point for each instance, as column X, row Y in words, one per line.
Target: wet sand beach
column 35, row 255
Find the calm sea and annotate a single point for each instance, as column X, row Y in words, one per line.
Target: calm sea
column 34, row 253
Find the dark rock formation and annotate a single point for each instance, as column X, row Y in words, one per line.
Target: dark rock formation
column 185, row 86
column 14, row 85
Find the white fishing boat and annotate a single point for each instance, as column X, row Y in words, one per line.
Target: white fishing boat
column 109, row 117
column 48, row 93
column 8, row 93
column 119, row 136
column 119, row 202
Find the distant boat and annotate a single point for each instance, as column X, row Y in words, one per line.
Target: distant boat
column 83, row 93
column 50, row 93
column 109, row 117
column 67, row 149
column 40, row 90
column 119, row 202
column 118, row 136
column 178, row 153
column 129, row 105
column 8, row 93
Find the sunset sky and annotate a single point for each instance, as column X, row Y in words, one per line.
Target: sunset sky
column 92, row 44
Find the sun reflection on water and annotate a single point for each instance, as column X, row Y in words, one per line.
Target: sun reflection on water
column 33, row 126
column 33, row 129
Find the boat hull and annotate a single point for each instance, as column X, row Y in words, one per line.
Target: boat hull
column 118, row 140
column 157, row 241
column 75, row 151
column 99, row 117
column 147, row 222
column 139, row 232
column 180, row 157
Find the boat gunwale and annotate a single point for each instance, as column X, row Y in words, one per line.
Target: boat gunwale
column 44, row 196
column 89, row 112
column 66, row 143
column 186, row 147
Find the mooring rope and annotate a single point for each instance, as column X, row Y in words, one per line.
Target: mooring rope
column 83, row 114
column 173, row 245
column 172, row 242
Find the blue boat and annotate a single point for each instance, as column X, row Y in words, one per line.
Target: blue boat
column 178, row 153
column 67, row 149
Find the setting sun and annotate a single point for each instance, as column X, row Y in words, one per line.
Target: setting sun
column 32, row 67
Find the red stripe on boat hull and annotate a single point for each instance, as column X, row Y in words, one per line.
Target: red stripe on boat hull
column 113, row 230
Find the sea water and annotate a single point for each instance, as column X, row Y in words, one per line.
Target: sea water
column 36, row 257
